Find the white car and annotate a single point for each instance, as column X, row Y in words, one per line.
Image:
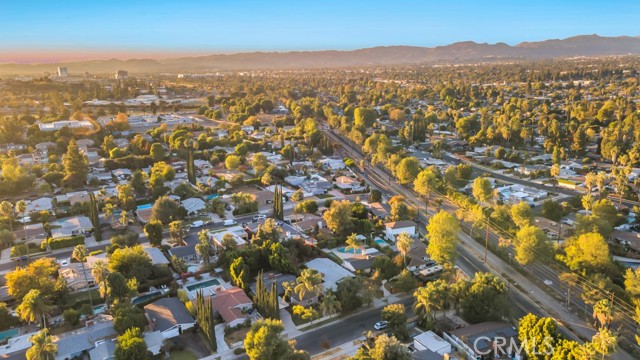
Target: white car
column 380, row 325
column 64, row 263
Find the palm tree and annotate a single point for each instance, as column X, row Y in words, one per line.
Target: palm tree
column 429, row 299
column 330, row 304
column 100, row 272
column 601, row 178
column 42, row 348
column 353, row 243
column 33, row 308
column 124, row 218
column 309, row 282
column 7, row 210
column 288, row 288
column 603, row 313
column 21, row 207
column 404, row 244
column 202, row 248
column 80, row 254
column 176, row 230
column 605, row 342
column 109, row 209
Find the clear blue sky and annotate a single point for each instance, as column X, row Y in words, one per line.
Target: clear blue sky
column 90, row 29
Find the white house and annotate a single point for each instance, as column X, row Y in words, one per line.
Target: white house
column 430, row 341
column 395, row 228
column 193, row 205
column 169, row 316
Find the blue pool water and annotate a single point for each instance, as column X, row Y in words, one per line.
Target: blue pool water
column 204, row 284
column 213, row 196
column 350, row 251
column 4, row 335
column 99, row 309
column 145, row 297
column 145, row 206
column 380, row 242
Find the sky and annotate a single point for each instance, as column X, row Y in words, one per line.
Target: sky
column 47, row 31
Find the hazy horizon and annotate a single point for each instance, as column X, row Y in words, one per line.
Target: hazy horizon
column 42, row 31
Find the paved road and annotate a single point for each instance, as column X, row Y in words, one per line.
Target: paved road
column 534, row 295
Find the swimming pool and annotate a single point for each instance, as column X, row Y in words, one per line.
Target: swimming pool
column 202, row 285
column 99, row 309
column 145, row 297
column 4, row 335
column 380, row 242
column 143, row 207
column 350, row 251
column 213, row 196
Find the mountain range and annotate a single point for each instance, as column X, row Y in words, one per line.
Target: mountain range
column 460, row 52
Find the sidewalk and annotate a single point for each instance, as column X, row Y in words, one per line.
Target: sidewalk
column 546, row 303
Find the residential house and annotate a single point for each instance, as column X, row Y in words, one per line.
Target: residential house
column 104, row 350
column 358, row 263
column 237, row 233
column 144, row 215
column 76, row 276
column 348, row 184
column 169, row 316
column 78, row 197
column 380, row 210
column 476, row 340
column 75, row 344
column 40, row 204
column 194, row 206
column 31, row 233
column 233, row 305
column 156, row 255
column 430, row 341
column 72, row 226
column 185, row 253
column 332, row 164
column 332, row 273
column 395, row 228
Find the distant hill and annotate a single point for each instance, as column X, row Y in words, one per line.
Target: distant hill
column 468, row 51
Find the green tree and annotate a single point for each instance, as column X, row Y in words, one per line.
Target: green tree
column 407, row 170
column 177, row 231
column 127, row 316
column 404, row 243
column 538, row 336
column 425, row 183
column 202, row 248
column 7, row 211
column 531, row 243
column 605, row 342
column 165, row 210
column 330, row 304
column 338, row 217
column 375, row 196
column 603, row 313
column 239, row 272
column 483, row 193
column 38, row 275
column 443, row 231
column 132, row 262
column 551, row 210
column 100, row 272
column 383, row 348
column 588, row 252
column 76, row 166
column 396, row 316
column 297, row 196
column 487, row 299
column 34, row 308
column 153, row 231
column 430, row 298
column 80, row 254
column 308, row 283
column 264, row 341
column 521, row 214
column 131, row 346
column 232, row 162
column 42, row 347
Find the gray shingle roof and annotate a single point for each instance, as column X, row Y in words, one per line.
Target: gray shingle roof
column 167, row 313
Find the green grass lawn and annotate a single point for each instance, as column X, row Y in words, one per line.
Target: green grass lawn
column 182, row 355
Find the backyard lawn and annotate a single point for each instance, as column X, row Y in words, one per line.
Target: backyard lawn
column 182, row 355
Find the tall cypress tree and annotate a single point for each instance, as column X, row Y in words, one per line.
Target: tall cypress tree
column 95, row 217
column 191, row 170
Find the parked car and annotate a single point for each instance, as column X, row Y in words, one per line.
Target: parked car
column 197, row 224
column 381, row 325
column 229, row 222
column 259, row 217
